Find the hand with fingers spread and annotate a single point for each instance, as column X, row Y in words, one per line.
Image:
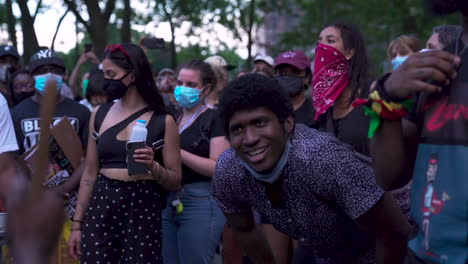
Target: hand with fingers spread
column 422, row 72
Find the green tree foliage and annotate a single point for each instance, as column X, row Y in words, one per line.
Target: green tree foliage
column 380, row 22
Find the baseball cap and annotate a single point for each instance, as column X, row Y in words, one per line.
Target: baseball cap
column 219, row 61
column 6, row 50
column 294, row 58
column 44, row 57
column 166, row 70
column 265, row 58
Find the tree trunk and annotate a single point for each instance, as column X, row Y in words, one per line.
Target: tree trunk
column 173, row 47
column 249, row 32
column 98, row 35
column 11, row 21
column 30, row 44
column 125, row 31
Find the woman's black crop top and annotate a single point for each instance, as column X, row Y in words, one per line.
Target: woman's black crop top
column 111, row 151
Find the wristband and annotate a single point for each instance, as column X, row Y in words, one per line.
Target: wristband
column 379, row 109
column 77, row 221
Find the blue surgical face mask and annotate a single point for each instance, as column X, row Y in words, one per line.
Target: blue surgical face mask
column 41, row 81
column 398, row 61
column 187, row 97
column 277, row 171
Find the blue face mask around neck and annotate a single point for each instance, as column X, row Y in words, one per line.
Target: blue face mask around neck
column 41, row 81
column 277, row 171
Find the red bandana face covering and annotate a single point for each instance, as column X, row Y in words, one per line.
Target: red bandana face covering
column 330, row 77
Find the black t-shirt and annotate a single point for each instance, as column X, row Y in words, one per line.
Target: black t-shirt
column 351, row 129
column 26, row 121
column 305, row 114
column 196, row 140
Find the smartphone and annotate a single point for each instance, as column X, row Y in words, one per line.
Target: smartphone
column 153, row 43
column 87, row 47
column 135, row 168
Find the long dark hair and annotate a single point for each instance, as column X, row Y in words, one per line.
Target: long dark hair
column 359, row 63
column 133, row 58
column 207, row 75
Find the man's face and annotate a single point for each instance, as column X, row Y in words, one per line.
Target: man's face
column 434, row 43
column 258, row 137
column 263, row 67
column 166, row 82
column 445, row 7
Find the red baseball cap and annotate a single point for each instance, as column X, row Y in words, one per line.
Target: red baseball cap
column 294, row 58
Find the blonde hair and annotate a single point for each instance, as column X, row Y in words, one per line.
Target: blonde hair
column 403, row 44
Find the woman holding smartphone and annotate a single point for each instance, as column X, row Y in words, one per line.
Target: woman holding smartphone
column 192, row 220
column 118, row 217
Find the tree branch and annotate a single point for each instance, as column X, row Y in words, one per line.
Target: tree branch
column 58, row 27
column 110, row 6
column 38, row 7
column 72, row 6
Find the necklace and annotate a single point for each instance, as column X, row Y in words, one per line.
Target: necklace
column 457, row 45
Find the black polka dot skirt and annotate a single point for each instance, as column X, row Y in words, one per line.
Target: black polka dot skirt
column 123, row 223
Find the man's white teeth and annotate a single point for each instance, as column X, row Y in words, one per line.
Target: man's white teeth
column 256, row 152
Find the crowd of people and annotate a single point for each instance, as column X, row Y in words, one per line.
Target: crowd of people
column 292, row 161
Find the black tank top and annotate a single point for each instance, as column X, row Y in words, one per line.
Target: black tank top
column 111, row 151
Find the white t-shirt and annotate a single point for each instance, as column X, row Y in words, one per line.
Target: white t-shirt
column 7, row 131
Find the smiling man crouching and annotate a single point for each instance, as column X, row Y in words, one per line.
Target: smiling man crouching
column 308, row 184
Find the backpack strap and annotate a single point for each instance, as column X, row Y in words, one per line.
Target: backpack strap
column 99, row 118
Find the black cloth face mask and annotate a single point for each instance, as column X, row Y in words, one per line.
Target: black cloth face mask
column 293, row 85
column 19, row 97
column 115, row 89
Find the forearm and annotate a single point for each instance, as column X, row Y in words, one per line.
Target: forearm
column 392, row 155
column 393, row 252
column 166, row 177
column 203, row 166
column 74, row 78
column 84, row 194
column 72, row 183
column 255, row 246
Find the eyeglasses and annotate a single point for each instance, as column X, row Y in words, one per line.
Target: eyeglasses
column 114, row 47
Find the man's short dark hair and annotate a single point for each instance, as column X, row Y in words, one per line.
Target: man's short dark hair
column 252, row 91
column 447, row 33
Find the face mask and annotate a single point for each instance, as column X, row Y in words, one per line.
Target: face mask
column 277, row 170
column 398, row 61
column 19, row 97
column 115, row 89
column 292, row 84
column 187, row 97
column 330, row 77
column 41, row 81
column 85, row 87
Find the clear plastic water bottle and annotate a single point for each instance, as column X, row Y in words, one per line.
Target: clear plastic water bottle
column 139, row 131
